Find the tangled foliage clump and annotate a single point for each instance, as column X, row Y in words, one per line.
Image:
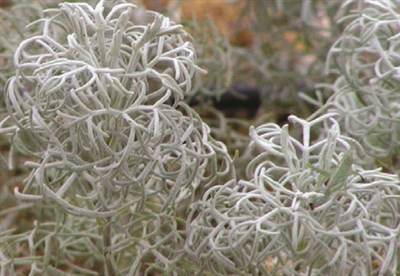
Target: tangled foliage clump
column 99, row 110
column 306, row 209
column 97, row 102
column 367, row 92
column 125, row 178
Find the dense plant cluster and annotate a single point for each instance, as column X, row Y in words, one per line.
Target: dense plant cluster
column 96, row 101
column 307, row 207
column 366, row 93
column 103, row 114
column 128, row 166
column 14, row 28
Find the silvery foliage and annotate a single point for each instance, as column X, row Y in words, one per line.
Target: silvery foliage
column 115, row 146
column 367, row 92
column 12, row 32
column 307, row 209
column 96, row 103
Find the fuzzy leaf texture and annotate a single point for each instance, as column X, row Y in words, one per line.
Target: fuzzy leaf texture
column 366, row 92
column 307, row 209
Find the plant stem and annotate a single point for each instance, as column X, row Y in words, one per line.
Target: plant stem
column 107, row 247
